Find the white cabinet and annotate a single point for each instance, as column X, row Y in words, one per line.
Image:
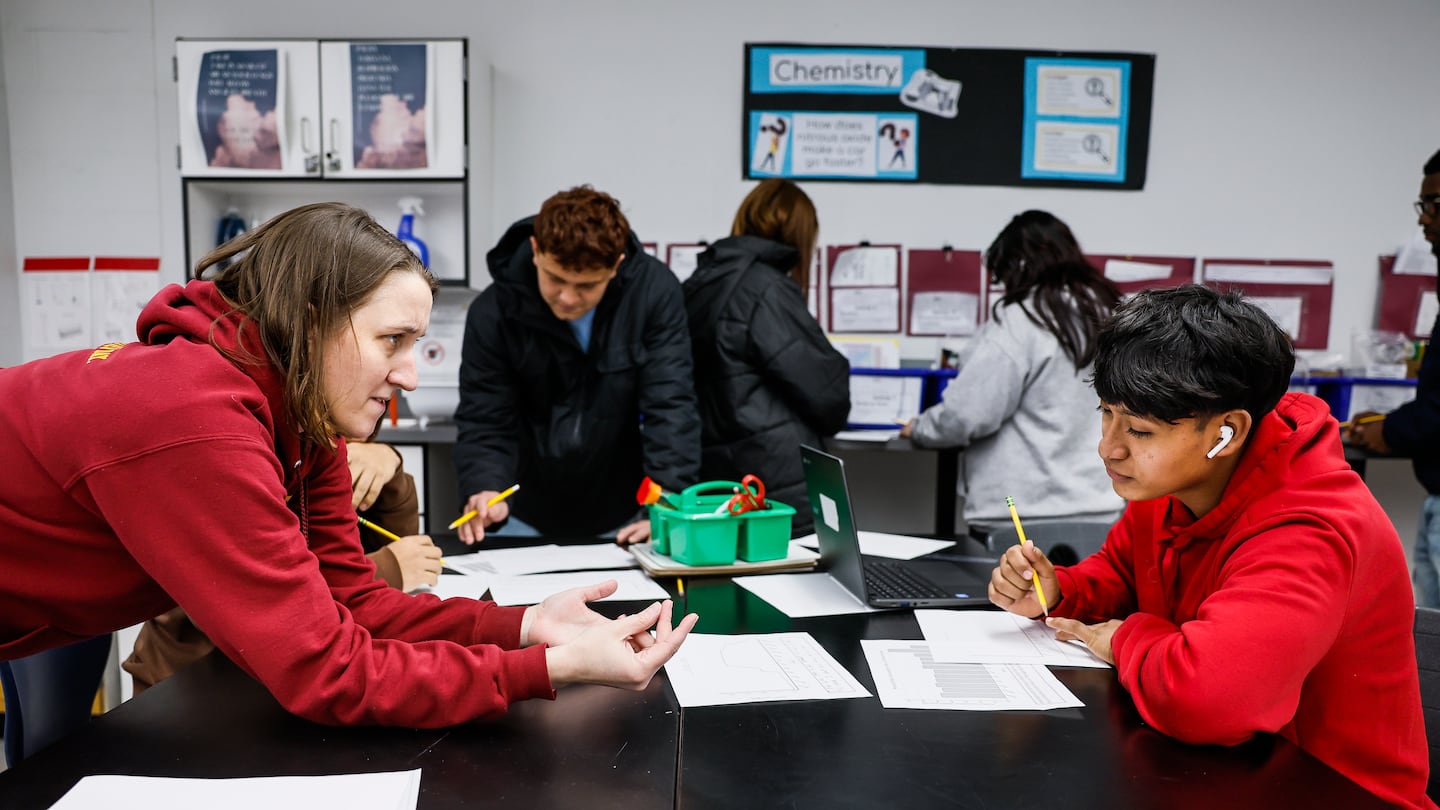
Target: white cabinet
column 332, row 108
column 268, row 125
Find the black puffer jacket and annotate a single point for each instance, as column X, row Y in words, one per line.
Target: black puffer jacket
column 566, row 423
column 766, row 377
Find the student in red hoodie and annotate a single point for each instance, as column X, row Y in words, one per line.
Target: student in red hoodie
column 202, row 465
column 1252, row 585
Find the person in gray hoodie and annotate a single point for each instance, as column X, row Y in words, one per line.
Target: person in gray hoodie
column 1022, row 405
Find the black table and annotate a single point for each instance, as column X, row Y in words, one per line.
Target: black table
column 603, row 748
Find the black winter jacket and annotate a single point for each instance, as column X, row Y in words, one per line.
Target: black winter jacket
column 766, row 377
column 577, row 430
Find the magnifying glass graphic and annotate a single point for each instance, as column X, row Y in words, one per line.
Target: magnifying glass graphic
column 1095, row 86
column 1093, row 145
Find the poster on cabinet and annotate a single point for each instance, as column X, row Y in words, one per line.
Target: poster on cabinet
column 390, row 87
column 238, row 94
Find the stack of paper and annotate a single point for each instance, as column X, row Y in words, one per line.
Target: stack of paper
column 399, row 790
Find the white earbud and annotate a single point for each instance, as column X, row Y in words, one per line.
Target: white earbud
column 1226, row 434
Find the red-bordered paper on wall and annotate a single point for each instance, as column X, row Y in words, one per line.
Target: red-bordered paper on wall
column 1296, row 293
column 863, row 286
column 944, row 291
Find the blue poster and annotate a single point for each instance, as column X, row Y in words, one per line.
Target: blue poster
column 388, row 85
column 1076, row 119
column 235, row 109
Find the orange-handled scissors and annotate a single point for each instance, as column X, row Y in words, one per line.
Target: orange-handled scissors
column 749, row 496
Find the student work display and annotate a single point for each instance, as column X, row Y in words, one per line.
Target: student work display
column 971, row 116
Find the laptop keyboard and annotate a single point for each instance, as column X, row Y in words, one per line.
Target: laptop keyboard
column 893, row 581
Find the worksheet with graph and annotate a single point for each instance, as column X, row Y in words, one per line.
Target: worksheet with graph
column 907, row 676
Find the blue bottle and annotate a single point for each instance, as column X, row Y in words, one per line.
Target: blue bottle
column 409, row 207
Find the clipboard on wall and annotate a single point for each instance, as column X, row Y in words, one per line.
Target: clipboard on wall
column 1134, row 274
column 863, row 288
column 1408, row 301
column 1297, row 294
column 943, row 290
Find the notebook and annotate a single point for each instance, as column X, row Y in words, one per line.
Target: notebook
column 882, row 583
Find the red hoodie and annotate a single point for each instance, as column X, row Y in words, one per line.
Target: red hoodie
column 153, row 473
column 1285, row 609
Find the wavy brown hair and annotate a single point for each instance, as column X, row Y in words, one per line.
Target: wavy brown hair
column 780, row 211
column 297, row 278
column 582, row 229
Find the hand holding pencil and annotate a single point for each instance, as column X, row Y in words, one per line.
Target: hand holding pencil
column 489, row 506
column 1025, row 578
column 1366, row 429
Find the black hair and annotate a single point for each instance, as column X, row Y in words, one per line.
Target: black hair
column 1192, row 351
column 1036, row 253
column 1432, row 166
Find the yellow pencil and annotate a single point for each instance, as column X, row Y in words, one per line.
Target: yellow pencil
column 465, row 518
column 680, row 585
column 382, row 531
column 1034, row 577
column 378, row 529
column 1364, row 420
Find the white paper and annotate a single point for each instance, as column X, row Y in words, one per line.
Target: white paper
column 865, row 309
column 802, row 596
column 116, row 298
column 515, row 562
column 930, row 92
column 399, row 790
column 533, row 589
column 1076, row 148
column 1425, row 314
column 869, row 352
column 1078, row 90
column 944, row 313
column 715, row 670
column 878, row 436
column 866, row 266
column 1268, row 273
column 684, row 259
column 58, row 308
column 876, row 400
column 1284, row 310
column 907, row 676
column 1416, row 257
column 828, row 145
column 893, row 546
column 996, row 637
column 1120, row 271
column 448, row 586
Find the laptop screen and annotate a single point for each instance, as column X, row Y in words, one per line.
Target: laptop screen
column 834, row 519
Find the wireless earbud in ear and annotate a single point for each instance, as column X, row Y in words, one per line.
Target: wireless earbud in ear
column 1226, row 434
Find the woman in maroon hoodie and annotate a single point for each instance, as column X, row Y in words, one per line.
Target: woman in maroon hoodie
column 202, row 466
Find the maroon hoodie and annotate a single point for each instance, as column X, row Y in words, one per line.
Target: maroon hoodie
column 153, row 473
column 1285, row 609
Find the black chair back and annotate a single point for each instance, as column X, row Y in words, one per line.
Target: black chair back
column 1427, row 655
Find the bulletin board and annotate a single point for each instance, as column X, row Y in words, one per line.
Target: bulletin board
column 862, row 284
column 1296, row 294
column 1408, row 301
column 973, row 116
column 944, row 292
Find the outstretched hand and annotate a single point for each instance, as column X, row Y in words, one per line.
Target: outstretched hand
column 617, row 653
column 1095, row 636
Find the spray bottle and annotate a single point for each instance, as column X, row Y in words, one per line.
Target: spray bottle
column 409, row 207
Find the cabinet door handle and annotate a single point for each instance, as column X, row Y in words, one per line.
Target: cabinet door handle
column 312, row 160
column 333, row 156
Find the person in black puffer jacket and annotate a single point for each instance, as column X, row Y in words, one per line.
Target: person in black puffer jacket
column 766, row 377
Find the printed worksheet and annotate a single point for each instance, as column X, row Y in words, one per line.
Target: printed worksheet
column 995, row 637
column 514, row 562
column 907, row 676
column 713, row 670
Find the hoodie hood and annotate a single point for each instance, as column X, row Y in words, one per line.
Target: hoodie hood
column 736, row 252
column 199, row 313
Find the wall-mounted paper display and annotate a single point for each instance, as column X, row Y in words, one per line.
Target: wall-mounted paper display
column 864, row 288
column 121, row 286
column 1408, row 302
column 55, row 297
column 683, row 258
column 1296, row 294
column 944, row 288
column 1135, row 273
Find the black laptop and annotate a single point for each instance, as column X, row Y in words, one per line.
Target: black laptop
column 882, row 583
